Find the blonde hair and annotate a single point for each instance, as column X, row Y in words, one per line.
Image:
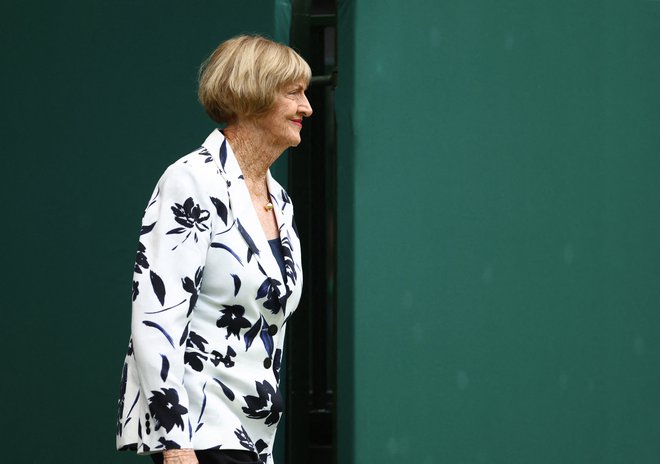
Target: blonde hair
column 243, row 75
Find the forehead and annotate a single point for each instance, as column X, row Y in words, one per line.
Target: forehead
column 296, row 86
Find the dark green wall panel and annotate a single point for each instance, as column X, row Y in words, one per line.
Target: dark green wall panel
column 98, row 98
column 499, row 179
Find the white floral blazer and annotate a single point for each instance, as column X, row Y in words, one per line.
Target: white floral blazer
column 210, row 306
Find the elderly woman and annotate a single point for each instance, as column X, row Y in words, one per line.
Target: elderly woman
column 218, row 272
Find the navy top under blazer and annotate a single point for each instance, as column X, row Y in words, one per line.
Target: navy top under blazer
column 210, row 306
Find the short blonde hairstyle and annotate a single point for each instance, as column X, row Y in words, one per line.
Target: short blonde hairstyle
column 243, row 75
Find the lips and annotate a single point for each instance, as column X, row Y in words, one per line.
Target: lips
column 297, row 122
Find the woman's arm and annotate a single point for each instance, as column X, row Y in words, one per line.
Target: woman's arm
column 175, row 237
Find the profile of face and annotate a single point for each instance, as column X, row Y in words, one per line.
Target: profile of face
column 284, row 120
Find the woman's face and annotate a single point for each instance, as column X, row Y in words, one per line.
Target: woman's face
column 284, row 120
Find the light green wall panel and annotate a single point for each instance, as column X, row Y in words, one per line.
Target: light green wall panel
column 500, row 211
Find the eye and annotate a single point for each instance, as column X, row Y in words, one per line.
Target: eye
column 295, row 91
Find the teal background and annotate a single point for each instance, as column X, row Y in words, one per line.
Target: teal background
column 98, row 97
column 498, row 204
column 499, row 263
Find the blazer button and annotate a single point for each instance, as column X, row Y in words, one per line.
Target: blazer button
column 267, row 363
column 272, row 330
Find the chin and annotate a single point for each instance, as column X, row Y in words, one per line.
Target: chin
column 294, row 142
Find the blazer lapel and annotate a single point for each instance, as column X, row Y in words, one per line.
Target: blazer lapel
column 288, row 235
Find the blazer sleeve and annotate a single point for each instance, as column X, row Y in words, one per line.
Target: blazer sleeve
column 174, row 239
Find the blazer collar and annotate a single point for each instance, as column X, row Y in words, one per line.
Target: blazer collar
column 247, row 220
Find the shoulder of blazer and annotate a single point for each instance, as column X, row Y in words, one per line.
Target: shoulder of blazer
column 200, row 167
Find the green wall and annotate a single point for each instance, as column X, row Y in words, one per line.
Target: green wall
column 499, row 215
column 499, row 231
column 98, row 97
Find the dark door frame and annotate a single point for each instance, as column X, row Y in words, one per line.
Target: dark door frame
column 311, row 341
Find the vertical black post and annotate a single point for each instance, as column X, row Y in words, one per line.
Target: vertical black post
column 311, row 351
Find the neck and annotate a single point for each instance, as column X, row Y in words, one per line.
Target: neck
column 253, row 151
column 254, row 154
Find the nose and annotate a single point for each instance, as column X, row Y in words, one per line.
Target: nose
column 305, row 108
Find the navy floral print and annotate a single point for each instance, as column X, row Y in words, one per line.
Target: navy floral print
column 232, row 319
column 166, row 410
column 266, row 405
column 209, row 305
